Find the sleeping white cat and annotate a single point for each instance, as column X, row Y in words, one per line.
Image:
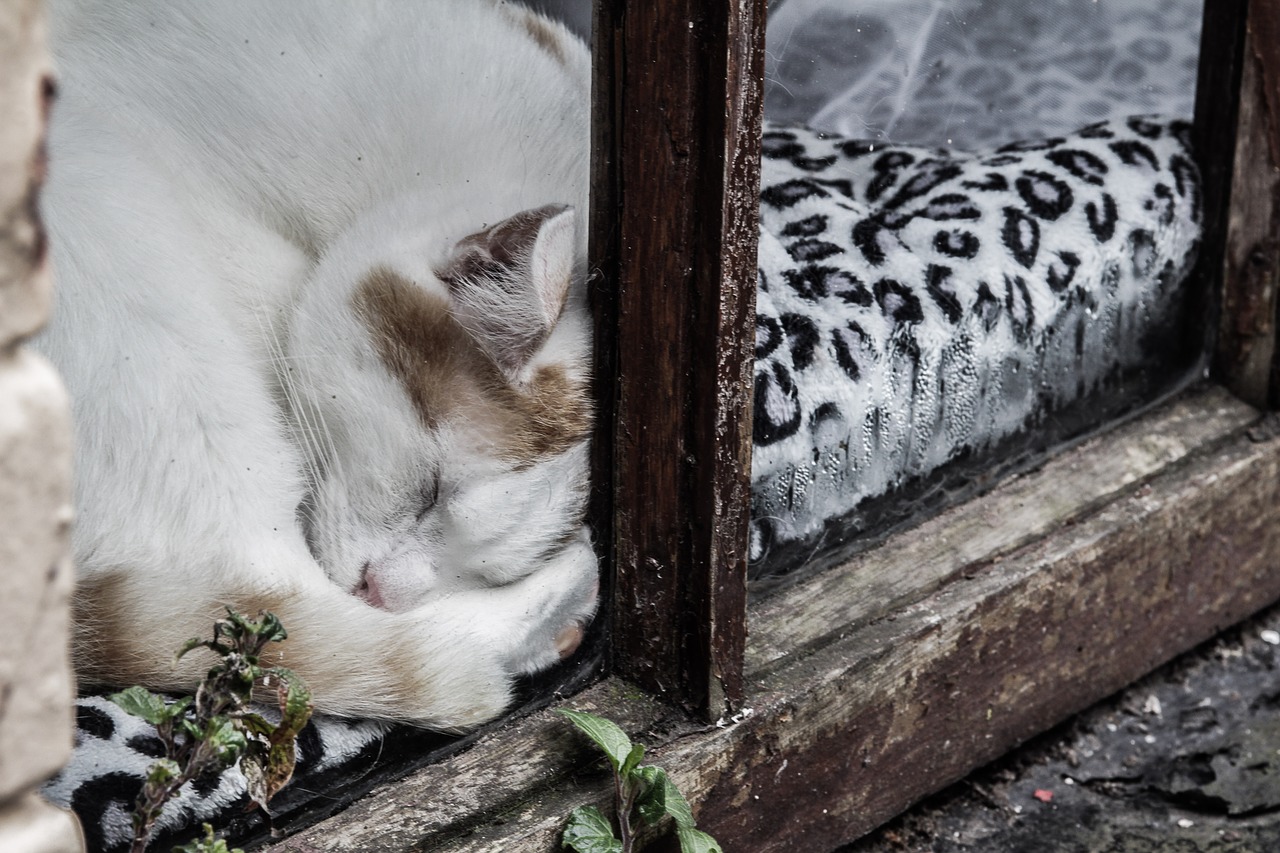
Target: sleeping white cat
column 320, row 307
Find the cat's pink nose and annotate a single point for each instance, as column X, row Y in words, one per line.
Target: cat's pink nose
column 568, row 640
column 368, row 589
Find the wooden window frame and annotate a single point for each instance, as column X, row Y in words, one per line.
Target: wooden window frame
column 864, row 688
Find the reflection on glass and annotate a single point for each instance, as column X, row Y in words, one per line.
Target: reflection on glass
column 975, row 73
column 978, row 247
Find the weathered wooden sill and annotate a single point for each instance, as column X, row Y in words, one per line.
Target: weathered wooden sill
column 889, row 677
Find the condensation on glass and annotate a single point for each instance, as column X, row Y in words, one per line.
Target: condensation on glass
column 971, row 249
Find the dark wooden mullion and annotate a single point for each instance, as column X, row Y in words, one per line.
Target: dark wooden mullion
column 1214, row 140
column 675, row 212
column 1238, row 138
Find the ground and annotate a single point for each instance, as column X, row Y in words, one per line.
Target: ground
column 1186, row 760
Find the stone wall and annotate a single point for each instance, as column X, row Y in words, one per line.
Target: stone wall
column 36, row 683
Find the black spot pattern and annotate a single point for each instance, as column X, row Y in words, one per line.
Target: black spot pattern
column 1181, row 131
column 776, row 411
column 1102, row 222
column 114, row 791
column 994, row 182
column 207, row 783
column 828, row 411
column 1060, row 277
column 94, row 722
column 809, row 281
column 1021, row 235
column 841, row 185
column 768, row 336
column 846, row 341
column 1032, row 145
column 788, row 194
column 808, row 227
column 897, row 301
column 866, row 236
column 1162, row 200
column 1131, row 151
column 1101, row 130
column 1142, row 250
column 310, row 748
column 949, row 206
column 1046, row 196
column 780, row 146
column 987, row 307
column 813, row 164
column 930, row 175
column 957, row 243
column 148, row 745
column 887, row 167
column 848, row 287
column 936, row 282
column 802, row 336
column 1186, row 180
column 1084, row 165
column 1144, row 127
column 1017, row 302
column 810, row 249
column 858, row 147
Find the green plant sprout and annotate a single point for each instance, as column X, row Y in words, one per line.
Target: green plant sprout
column 643, row 789
column 216, row 728
column 208, row 844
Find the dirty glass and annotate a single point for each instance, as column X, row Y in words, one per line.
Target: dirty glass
column 978, row 221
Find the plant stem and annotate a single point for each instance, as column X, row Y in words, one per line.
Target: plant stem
column 149, row 807
column 624, row 798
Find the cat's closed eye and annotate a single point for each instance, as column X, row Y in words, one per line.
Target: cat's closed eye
column 428, row 497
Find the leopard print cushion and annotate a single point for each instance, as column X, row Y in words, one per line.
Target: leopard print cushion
column 916, row 305
column 113, row 751
column 913, row 305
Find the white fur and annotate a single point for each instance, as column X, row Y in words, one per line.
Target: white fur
column 223, row 174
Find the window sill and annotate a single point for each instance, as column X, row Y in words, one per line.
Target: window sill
column 893, row 675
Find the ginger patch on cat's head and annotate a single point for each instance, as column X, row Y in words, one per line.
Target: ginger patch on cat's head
column 451, row 379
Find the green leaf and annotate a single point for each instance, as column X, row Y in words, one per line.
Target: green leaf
column 189, row 728
column 141, row 702
column 189, row 645
column 696, row 841
column 610, row 738
column 255, row 725
column 208, row 844
column 163, row 771
column 588, row 831
column 226, row 740
column 633, row 759
column 294, row 699
column 661, row 798
column 270, row 628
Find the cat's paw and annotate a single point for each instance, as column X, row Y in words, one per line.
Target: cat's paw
column 539, row 619
column 473, row 644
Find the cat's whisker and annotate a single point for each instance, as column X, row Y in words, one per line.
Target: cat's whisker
column 312, row 423
column 275, row 347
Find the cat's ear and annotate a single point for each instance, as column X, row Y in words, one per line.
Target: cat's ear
column 510, row 281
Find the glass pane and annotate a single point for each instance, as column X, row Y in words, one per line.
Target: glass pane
column 977, row 221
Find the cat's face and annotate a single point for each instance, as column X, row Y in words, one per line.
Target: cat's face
column 446, row 414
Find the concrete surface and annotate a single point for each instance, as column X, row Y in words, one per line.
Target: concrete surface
column 1186, row 760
